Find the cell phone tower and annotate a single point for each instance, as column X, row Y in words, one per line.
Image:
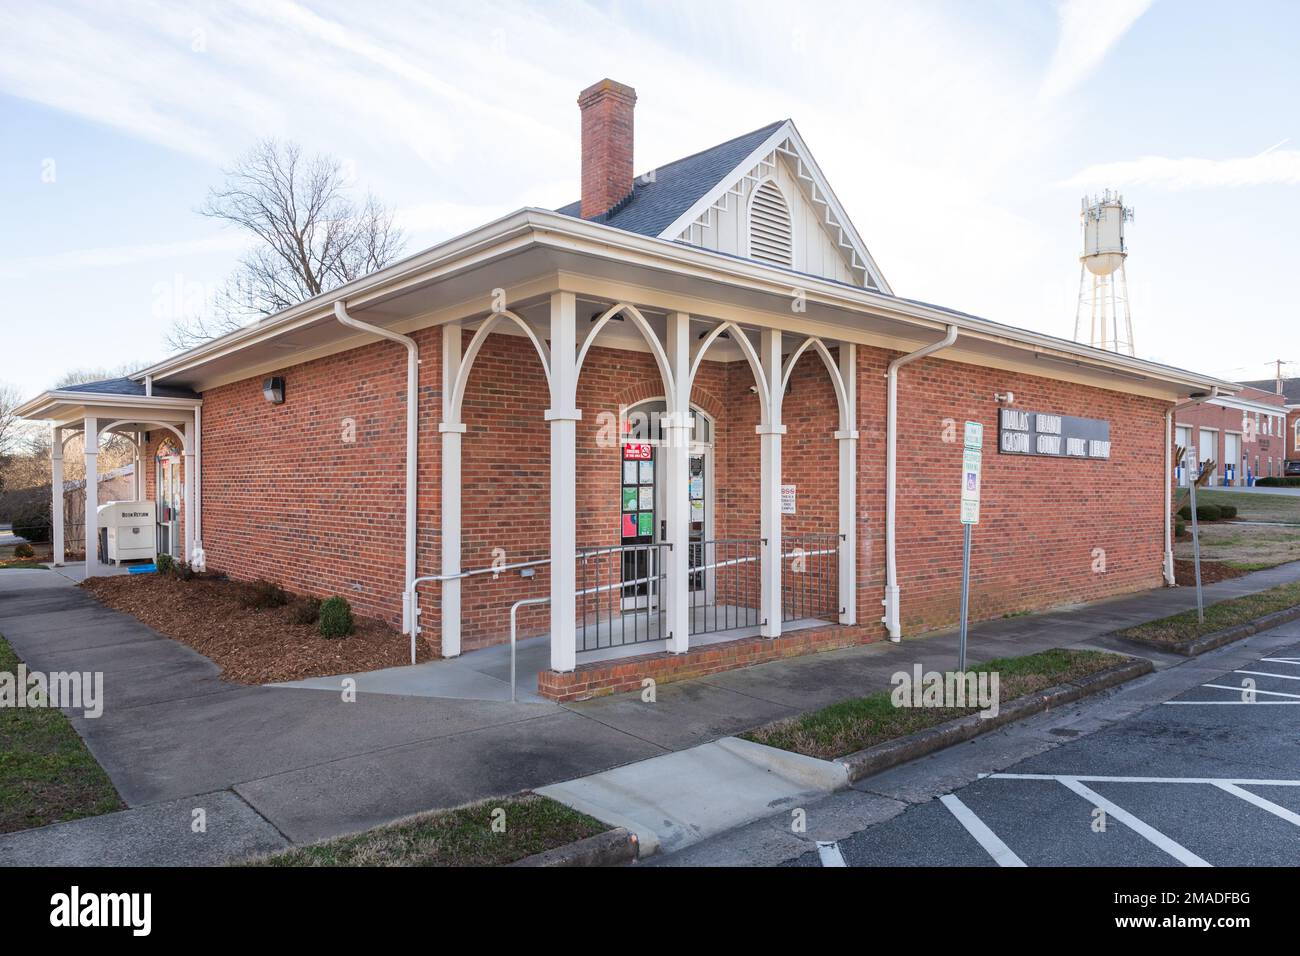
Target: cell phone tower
column 1103, row 319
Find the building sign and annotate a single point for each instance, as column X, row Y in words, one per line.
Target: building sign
column 787, row 499
column 1052, row 436
column 637, row 451
column 971, row 461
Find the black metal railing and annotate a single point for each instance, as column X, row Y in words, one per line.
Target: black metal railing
column 725, row 576
column 619, row 593
column 810, row 578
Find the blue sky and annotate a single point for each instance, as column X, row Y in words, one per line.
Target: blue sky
column 960, row 136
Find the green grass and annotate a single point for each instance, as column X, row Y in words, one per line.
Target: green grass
column 1218, row 617
column 20, row 564
column 863, row 722
column 464, row 836
column 1251, row 506
column 46, row 773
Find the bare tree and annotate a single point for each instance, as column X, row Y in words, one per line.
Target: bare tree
column 311, row 236
column 10, row 423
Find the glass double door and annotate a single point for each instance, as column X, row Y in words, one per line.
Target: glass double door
column 643, row 522
column 168, row 503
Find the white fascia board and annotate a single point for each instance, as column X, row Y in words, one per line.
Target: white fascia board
column 33, row 410
column 594, row 238
column 547, row 228
column 1247, row 404
column 417, row 269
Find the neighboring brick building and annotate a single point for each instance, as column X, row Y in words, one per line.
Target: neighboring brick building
column 1289, row 390
column 1244, row 435
column 664, row 410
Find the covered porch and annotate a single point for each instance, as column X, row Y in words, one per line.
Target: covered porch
column 671, row 522
column 162, row 430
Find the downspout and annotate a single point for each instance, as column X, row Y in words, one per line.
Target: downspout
column 1169, row 486
column 892, row 616
column 412, row 443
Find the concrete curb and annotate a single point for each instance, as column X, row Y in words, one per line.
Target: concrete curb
column 611, row 848
column 891, row 753
column 1208, row 642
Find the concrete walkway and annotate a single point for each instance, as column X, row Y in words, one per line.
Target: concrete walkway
column 313, row 766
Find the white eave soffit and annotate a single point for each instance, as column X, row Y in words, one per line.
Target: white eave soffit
column 784, row 142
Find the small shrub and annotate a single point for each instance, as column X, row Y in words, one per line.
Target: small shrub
column 165, row 563
column 1208, row 513
column 1227, row 511
column 1180, row 529
column 304, row 611
column 24, row 551
column 32, row 522
column 335, row 617
column 263, row 594
column 1185, row 512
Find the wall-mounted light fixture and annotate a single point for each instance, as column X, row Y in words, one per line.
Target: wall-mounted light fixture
column 273, row 390
column 1006, row 398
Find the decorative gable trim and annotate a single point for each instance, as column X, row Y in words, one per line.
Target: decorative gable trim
column 760, row 165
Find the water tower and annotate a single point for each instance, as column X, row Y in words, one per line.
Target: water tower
column 1103, row 314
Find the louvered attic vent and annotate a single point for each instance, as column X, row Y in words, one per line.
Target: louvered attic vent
column 769, row 227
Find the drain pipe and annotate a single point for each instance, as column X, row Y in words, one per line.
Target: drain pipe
column 409, row 604
column 1169, row 487
column 891, row 618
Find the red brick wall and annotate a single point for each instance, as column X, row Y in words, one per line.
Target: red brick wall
column 1041, row 518
column 286, row 499
column 1268, row 449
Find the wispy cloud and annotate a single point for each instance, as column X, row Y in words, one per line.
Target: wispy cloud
column 104, row 256
column 1089, row 29
column 1271, row 167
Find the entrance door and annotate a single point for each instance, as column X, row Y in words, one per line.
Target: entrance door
column 1232, row 458
column 640, row 564
column 168, row 500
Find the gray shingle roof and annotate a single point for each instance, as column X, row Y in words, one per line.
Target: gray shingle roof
column 126, row 386
column 658, row 198
column 1290, row 388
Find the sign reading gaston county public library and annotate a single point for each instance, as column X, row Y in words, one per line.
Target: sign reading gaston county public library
column 1053, row 436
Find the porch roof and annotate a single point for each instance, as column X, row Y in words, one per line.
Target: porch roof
column 520, row 252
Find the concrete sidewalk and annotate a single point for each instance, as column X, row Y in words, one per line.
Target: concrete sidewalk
column 314, row 766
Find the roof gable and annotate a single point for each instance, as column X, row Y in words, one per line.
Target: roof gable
column 683, row 200
column 1290, row 388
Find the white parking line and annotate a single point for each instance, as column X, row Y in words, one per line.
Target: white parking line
column 1224, row 703
column 830, row 854
column 1094, row 778
column 1280, row 660
column 1148, row 832
column 1244, row 690
column 1267, row 674
column 1260, row 802
column 986, row 838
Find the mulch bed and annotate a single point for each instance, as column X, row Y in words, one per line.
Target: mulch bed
column 1211, row 571
column 250, row 645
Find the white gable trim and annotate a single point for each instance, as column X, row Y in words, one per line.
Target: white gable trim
column 785, row 141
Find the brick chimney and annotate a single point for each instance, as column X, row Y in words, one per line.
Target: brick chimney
column 606, row 145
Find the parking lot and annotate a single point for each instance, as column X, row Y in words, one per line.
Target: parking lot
column 1208, row 778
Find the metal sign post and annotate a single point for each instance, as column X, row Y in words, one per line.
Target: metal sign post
column 972, row 455
column 1190, row 462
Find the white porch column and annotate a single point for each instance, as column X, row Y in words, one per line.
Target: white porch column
column 847, row 436
column 451, row 428
column 56, row 495
column 91, row 526
column 187, row 506
column 138, row 493
column 564, row 416
column 770, row 433
column 678, row 427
